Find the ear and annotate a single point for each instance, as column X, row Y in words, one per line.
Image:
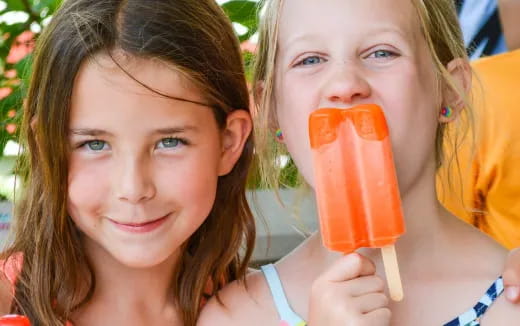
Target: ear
column 460, row 71
column 237, row 130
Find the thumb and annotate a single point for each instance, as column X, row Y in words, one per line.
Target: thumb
column 349, row 267
column 511, row 276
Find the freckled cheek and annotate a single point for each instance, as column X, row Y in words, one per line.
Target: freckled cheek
column 293, row 116
column 292, row 109
column 299, row 148
column 297, row 92
column 88, row 186
column 190, row 183
column 412, row 120
column 296, row 138
column 404, row 99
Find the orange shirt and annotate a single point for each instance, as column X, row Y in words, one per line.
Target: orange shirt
column 487, row 193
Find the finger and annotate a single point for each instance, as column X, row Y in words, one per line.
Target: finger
column 511, row 276
column 513, row 293
column 364, row 285
column 371, row 302
column 512, row 269
column 379, row 317
column 348, row 267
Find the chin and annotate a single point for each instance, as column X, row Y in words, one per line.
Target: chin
column 143, row 259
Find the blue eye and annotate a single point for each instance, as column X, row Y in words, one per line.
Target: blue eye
column 170, row 142
column 96, row 145
column 382, row 54
column 313, row 60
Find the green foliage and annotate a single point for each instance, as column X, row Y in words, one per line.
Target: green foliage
column 17, row 36
column 244, row 13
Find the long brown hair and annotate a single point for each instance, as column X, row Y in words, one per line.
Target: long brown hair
column 443, row 35
column 197, row 38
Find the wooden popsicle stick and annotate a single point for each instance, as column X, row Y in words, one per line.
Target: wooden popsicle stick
column 393, row 277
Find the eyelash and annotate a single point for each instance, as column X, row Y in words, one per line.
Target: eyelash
column 181, row 141
column 300, row 63
column 391, row 54
column 86, row 143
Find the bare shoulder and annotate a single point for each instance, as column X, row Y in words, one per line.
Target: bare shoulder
column 6, row 296
column 226, row 310
column 240, row 305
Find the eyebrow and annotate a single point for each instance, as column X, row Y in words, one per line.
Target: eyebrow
column 176, row 130
column 89, row 132
column 162, row 131
column 377, row 29
column 293, row 40
column 383, row 29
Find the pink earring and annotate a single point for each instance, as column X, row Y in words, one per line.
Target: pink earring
column 447, row 112
column 279, row 135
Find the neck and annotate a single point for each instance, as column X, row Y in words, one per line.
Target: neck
column 430, row 229
column 128, row 290
column 424, row 216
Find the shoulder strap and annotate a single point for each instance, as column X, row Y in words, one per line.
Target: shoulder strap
column 472, row 316
column 285, row 311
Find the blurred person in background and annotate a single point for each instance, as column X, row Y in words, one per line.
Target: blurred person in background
column 489, row 26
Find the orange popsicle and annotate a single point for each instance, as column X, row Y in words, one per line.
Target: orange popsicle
column 356, row 184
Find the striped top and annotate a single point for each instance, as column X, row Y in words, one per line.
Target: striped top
column 473, row 315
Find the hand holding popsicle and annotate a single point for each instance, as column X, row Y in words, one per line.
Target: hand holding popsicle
column 356, row 184
column 349, row 293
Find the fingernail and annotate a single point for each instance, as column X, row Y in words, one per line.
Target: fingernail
column 513, row 293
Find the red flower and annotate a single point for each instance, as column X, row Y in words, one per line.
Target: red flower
column 5, row 92
column 248, row 46
column 22, row 46
column 13, row 82
column 11, row 128
column 10, row 73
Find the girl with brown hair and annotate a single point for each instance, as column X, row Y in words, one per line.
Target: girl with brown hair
column 136, row 151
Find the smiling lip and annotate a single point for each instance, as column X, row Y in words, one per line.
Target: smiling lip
column 141, row 227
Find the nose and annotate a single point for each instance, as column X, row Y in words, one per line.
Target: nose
column 345, row 85
column 134, row 180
